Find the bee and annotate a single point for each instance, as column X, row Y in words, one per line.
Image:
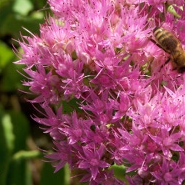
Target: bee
column 170, row 44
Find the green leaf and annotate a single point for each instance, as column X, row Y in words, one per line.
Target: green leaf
column 119, row 172
column 11, row 78
column 6, row 55
column 11, row 23
column 5, row 11
column 21, row 130
column 6, row 144
column 22, row 7
column 48, row 176
column 14, row 25
column 39, row 4
column 71, row 105
column 172, row 10
column 22, row 154
column 19, row 172
column 8, row 130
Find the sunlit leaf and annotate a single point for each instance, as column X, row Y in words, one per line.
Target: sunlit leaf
column 6, row 54
column 19, row 4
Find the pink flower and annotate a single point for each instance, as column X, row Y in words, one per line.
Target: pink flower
column 168, row 142
column 61, row 156
column 166, row 174
column 91, row 160
column 106, row 94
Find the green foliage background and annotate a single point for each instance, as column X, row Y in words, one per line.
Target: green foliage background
column 21, row 160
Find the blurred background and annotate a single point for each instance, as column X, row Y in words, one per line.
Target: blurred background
column 22, row 142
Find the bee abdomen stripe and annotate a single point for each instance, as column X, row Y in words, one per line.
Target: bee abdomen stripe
column 156, row 28
column 158, row 33
column 169, row 43
column 162, row 37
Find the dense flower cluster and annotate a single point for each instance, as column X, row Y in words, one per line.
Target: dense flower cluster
column 124, row 106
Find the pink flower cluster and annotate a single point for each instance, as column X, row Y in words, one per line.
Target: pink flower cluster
column 124, row 106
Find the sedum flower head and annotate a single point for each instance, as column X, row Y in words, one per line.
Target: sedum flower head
column 127, row 104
